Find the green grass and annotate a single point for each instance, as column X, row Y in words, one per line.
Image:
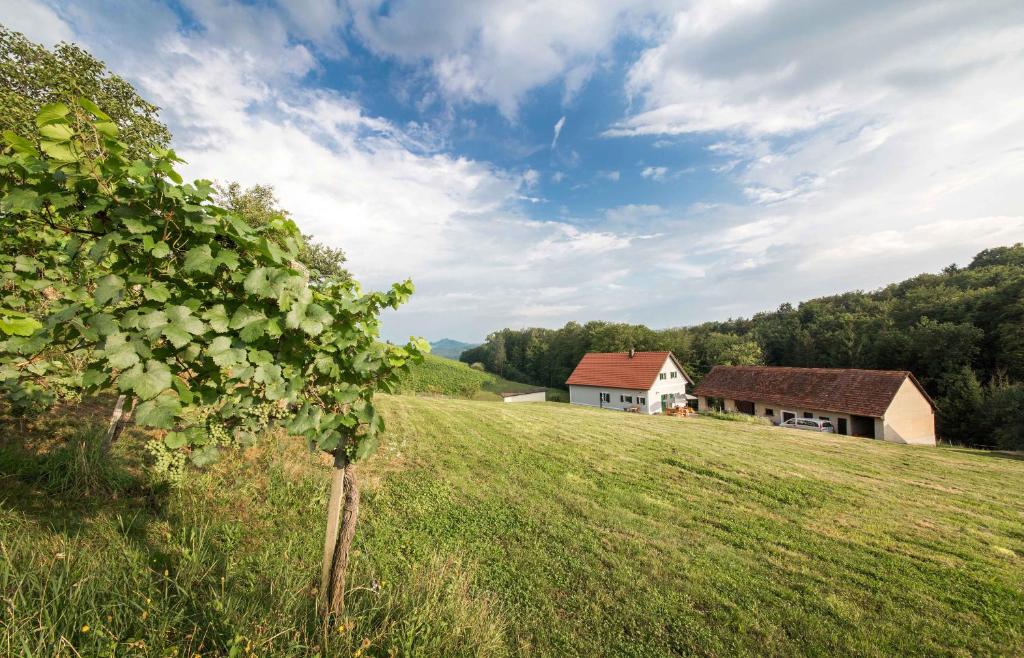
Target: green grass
column 440, row 376
column 544, row 529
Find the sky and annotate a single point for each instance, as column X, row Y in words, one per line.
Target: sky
column 531, row 162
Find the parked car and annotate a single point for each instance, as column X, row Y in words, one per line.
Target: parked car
column 812, row 424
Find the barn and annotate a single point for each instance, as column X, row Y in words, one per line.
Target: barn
column 881, row 404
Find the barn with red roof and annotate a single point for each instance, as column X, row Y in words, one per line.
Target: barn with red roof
column 879, row 404
column 645, row 382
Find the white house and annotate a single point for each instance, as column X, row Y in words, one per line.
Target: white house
column 538, row 395
column 646, row 381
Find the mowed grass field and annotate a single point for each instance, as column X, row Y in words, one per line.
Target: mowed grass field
column 546, row 530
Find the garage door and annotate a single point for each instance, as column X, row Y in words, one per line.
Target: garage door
column 745, row 407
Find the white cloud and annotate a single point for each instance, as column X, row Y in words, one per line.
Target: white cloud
column 610, row 175
column 871, row 141
column 495, row 51
column 655, row 173
column 558, row 131
column 36, row 21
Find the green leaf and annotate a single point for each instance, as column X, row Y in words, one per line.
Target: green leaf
column 151, row 320
column 217, row 316
column 205, row 456
column 59, row 151
column 184, row 392
column 51, row 113
column 223, row 354
column 137, row 226
column 267, row 374
column 181, row 316
column 157, row 292
column 244, row 316
column 253, row 331
column 199, row 259
column 258, row 283
column 160, row 249
column 108, row 128
column 18, row 324
column 107, row 288
column 176, row 440
column 103, row 324
column 57, row 131
column 228, row 258
column 20, row 200
column 119, row 352
column 92, row 378
column 148, row 382
column 366, row 447
column 92, row 108
column 159, row 412
column 19, row 143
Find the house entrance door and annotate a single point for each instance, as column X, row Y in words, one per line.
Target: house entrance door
column 842, row 426
column 786, row 415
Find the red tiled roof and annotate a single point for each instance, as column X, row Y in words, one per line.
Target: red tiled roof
column 619, row 370
column 858, row 392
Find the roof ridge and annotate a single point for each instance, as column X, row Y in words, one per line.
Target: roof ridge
column 818, row 369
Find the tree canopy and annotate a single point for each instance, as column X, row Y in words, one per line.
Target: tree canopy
column 32, row 76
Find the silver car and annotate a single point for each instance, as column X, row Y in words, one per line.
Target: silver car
column 812, row 424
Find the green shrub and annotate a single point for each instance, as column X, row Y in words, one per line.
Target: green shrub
column 737, row 417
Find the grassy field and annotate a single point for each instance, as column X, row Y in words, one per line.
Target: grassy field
column 542, row 529
column 440, row 376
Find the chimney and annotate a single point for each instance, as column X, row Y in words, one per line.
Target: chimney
column 632, row 352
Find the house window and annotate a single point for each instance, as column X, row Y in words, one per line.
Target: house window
column 629, row 398
column 622, row 398
column 808, row 414
column 661, row 376
column 824, row 418
column 606, row 397
column 642, row 400
column 769, row 412
column 674, row 375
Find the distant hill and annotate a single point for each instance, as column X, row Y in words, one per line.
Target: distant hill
column 450, row 349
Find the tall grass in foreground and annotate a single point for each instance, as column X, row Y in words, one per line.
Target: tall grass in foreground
column 98, row 559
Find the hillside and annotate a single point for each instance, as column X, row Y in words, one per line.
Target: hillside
column 449, row 348
column 442, row 376
column 492, row 530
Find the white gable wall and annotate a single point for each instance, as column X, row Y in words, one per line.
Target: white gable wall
column 673, row 386
column 909, row 418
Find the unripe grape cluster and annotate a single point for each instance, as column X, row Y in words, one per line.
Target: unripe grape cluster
column 168, row 463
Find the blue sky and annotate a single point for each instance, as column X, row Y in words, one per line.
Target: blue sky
column 713, row 158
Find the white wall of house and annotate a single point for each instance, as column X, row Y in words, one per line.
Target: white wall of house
column 673, row 385
column 909, row 418
column 537, row 396
column 590, row 396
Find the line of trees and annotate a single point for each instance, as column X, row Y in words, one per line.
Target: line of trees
column 961, row 332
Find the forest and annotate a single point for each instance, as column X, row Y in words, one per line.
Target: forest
column 960, row 331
